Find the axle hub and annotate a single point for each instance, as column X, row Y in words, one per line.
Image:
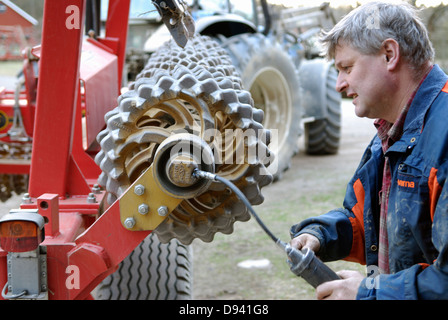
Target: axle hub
column 176, row 159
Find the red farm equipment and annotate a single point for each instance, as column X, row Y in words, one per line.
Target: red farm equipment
column 102, row 174
column 62, row 174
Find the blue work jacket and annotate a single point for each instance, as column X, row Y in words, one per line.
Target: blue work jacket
column 417, row 221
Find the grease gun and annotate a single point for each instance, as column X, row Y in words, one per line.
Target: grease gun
column 303, row 263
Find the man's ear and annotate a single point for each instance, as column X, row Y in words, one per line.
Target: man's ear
column 391, row 51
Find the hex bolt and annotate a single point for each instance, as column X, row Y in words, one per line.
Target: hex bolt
column 91, row 198
column 143, row 208
column 129, row 223
column 26, row 198
column 96, row 189
column 162, row 211
column 139, row 189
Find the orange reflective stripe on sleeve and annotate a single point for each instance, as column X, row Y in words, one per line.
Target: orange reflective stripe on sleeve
column 434, row 191
column 445, row 88
column 357, row 253
column 424, row 265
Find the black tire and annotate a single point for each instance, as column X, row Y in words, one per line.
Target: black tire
column 258, row 58
column 322, row 136
column 153, row 271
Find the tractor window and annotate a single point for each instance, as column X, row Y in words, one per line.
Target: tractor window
column 243, row 8
column 214, row 6
column 139, row 9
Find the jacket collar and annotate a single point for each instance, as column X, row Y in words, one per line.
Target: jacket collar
column 428, row 91
column 425, row 96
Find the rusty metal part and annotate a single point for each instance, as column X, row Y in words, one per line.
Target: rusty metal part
column 10, row 153
column 15, row 148
column 193, row 91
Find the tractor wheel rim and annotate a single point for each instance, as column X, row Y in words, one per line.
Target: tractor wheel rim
column 271, row 93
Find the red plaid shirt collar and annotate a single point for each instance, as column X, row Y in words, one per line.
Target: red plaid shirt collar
column 392, row 132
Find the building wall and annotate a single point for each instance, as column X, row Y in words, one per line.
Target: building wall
column 9, row 17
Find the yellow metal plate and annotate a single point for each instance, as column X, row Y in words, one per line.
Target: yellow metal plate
column 153, row 197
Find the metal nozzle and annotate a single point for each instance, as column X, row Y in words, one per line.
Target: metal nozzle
column 282, row 245
column 199, row 174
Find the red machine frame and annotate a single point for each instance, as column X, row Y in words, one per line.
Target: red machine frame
column 79, row 80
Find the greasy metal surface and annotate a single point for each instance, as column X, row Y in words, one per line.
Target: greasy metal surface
column 196, row 91
column 180, row 171
column 177, row 19
column 172, row 175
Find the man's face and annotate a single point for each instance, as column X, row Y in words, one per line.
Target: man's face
column 366, row 80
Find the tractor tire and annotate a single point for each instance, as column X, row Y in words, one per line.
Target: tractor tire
column 153, row 271
column 270, row 75
column 322, row 136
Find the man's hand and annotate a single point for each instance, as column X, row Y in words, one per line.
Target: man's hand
column 344, row 289
column 306, row 240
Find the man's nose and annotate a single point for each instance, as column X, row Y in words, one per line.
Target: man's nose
column 341, row 83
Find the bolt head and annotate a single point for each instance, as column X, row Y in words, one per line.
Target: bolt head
column 139, row 189
column 26, row 198
column 96, row 189
column 129, row 223
column 91, row 198
column 143, row 208
column 162, row 211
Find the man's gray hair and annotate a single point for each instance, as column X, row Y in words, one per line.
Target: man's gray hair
column 366, row 27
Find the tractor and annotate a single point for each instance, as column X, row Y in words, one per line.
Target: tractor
column 277, row 54
column 111, row 204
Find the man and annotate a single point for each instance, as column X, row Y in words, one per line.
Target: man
column 395, row 215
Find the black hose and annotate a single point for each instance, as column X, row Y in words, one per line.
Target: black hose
column 207, row 175
column 303, row 264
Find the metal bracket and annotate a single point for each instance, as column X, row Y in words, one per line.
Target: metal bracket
column 144, row 205
column 167, row 182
